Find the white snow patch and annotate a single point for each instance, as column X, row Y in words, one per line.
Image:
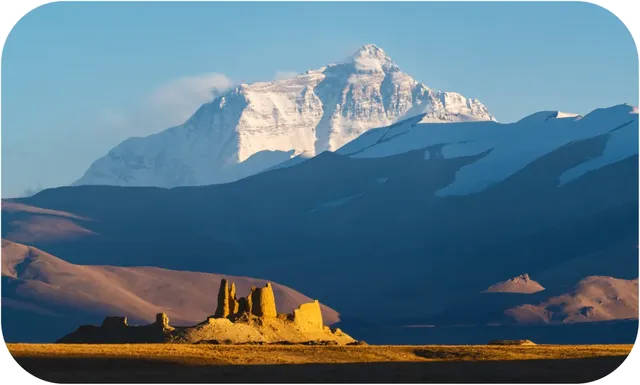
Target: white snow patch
column 562, row 115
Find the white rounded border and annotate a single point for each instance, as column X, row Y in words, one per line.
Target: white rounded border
column 12, row 11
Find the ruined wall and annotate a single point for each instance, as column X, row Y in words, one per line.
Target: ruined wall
column 233, row 302
column 260, row 302
column 244, row 304
column 222, row 310
column 308, row 317
column 227, row 302
column 116, row 330
column 162, row 321
column 263, row 302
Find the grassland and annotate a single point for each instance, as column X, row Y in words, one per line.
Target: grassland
column 300, row 363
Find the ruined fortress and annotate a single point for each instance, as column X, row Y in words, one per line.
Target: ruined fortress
column 262, row 303
column 250, row 319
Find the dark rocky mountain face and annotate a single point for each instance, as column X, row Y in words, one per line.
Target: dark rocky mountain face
column 368, row 236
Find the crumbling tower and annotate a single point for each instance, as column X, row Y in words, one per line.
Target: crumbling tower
column 263, row 302
column 222, row 310
column 227, row 302
column 260, row 302
column 162, row 322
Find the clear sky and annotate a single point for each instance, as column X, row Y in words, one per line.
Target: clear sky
column 78, row 78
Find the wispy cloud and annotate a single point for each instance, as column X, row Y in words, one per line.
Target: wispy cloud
column 167, row 105
column 33, row 190
column 179, row 98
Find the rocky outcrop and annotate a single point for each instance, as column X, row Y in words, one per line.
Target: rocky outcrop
column 251, row 319
column 117, row 330
column 114, row 323
column 522, row 284
column 162, row 321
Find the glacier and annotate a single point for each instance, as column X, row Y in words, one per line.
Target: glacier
column 254, row 127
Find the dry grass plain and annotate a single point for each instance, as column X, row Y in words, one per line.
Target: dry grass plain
column 301, row 363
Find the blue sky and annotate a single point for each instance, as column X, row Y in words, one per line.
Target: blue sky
column 78, row 78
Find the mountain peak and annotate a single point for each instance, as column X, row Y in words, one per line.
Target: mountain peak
column 520, row 284
column 371, row 50
column 371, row 58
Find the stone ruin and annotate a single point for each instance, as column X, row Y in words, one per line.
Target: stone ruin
column 252, row 319
column 260, row 302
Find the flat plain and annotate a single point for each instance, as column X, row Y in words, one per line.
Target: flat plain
column 301, row 363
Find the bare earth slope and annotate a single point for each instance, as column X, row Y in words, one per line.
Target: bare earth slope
column 595, row 298
column 32, row 223
column 522, row 284
column 39, row 283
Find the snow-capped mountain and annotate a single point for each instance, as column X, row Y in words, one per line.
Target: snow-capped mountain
column 256, row 126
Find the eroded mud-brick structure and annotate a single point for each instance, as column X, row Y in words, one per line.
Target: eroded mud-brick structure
column 250, row 319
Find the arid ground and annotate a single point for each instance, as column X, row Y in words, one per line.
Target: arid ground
column 301, row 363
